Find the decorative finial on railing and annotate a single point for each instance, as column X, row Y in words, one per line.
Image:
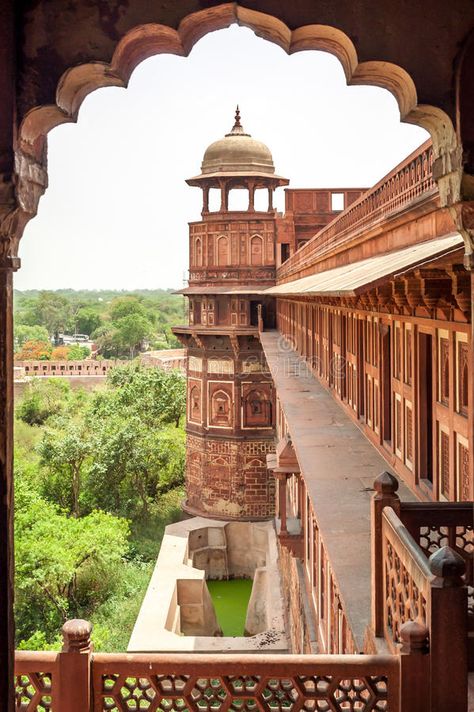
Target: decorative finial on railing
column 385, row 483
column 415, row 637
column 76, row 636
column 447, row 564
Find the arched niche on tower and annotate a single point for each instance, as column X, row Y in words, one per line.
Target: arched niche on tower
column 195, row 402
column 257, row 407
column 222, row 248
column 256, row 251
column 220, row 414
column 198, row 252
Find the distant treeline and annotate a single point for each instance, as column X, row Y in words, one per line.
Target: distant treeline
column 121, row 323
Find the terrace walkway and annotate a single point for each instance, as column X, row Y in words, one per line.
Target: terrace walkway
column 338, row 465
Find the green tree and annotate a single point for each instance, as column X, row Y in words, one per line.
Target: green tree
column 77, row 352
column 24, row 333
column 42, row 399
column 64, row 453
column 130, row 332
column 126, row 306
column 63, row 565
column 54, row 312
column 156, row 395
column 87, row 320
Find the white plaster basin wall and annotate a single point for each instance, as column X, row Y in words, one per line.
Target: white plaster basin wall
column 177, row 600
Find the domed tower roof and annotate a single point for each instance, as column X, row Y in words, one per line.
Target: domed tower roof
column 237, row 155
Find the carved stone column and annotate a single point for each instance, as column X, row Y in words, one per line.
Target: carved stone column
column 224, row 196
column 205, row 199
column 7, row 638
column 251, row 207
column 270, row 200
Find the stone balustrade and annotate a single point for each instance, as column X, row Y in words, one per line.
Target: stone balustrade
column 410, row 181
column 79, row 680
column 432, row 592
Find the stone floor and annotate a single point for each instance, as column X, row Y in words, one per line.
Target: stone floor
column 339, row 465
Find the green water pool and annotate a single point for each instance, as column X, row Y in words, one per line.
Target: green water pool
column 230, row 599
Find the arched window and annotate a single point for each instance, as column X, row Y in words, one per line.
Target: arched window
column 198, row 252
column 221, row 409
column 256, row 251
column 258, row 409
column 195, row 404
column 222, row 251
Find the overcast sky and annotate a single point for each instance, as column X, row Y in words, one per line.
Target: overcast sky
column 116, row 211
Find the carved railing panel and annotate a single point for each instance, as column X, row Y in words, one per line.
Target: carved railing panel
column 406, row 579
column 410, row 181
column 438, row 524
column 200, row 683
column 35, row 681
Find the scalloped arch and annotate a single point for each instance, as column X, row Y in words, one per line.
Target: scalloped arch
column 145, row 41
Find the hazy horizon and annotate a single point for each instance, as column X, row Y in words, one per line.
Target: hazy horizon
column 115, row 214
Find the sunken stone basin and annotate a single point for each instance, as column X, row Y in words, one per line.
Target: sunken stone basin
column 177, row 613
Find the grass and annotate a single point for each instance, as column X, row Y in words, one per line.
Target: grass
column 230, row 599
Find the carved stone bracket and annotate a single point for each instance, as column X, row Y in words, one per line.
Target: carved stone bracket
column 19, row 199
column 462, row 214
column 234, row 342
column 461, row 288
column 399, row 295
column 199, row 341
column 436, row 288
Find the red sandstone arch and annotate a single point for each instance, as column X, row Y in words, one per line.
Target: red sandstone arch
column 148, row 40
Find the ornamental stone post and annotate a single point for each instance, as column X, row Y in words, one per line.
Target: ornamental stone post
column 74, row 694
column 386, row 486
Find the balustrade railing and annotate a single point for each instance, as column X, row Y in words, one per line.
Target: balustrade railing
column 36, row 681
column 436, row 524
column 77, row 680
column 406, row 579
column 407, row 183
column 423, row 580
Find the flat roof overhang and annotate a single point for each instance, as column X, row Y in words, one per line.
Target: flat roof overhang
column 352, row 279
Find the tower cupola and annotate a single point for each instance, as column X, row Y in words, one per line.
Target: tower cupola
column 237, row 161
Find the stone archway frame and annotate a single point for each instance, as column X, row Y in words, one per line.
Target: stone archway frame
column 148, row 40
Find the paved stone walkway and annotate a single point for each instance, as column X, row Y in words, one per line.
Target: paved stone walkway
column 339, row 465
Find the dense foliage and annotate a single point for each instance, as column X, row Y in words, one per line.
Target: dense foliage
column 97, row 476
column 120, row 323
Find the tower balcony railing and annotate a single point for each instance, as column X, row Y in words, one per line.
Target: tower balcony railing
column 255, row 273
column 410, row 182
column 79, row 680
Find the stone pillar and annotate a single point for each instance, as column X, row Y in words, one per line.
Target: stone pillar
column 205, row 199
column 7, row 631
column 414, row 668
column 75, row 667
column 224, row 197
column 261, row 325
column 448, row 631
column 282, row 477
column 270, row 200
column 251, row 185
column 386, row 486
column 7, row 204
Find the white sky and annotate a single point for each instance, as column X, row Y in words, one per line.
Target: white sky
column 116, row 211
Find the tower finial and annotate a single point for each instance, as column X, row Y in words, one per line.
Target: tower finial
column 237, row 128
column 237, row 118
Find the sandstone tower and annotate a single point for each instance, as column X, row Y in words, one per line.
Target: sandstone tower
column 230, row 399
